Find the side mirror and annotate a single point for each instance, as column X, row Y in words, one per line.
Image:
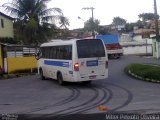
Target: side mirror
column 38, row 55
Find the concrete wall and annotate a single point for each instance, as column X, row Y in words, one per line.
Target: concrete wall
column 139, row 38
column 137, row 49
column 7, row 31
column 125, row 38
column 21, row 63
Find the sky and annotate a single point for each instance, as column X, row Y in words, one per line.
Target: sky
column 105, row 10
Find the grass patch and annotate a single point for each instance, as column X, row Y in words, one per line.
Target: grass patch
column 151, row 72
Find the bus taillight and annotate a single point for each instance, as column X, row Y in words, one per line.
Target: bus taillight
column 76, row 66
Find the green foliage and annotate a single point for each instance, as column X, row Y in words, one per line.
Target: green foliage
column 147, row 16
column 32, row 25
column 32, row 16
column 140, row 24
column 145, row 71
column 64, row 22
column 91, row 25
column 130, row 26
column 8, row 40
column 119, row 21
column 104, row 31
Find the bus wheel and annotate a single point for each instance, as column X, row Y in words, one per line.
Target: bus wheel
column 41, row 74
column 60, row 79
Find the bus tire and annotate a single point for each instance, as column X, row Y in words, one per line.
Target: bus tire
column 60, row 79
column 41, row 74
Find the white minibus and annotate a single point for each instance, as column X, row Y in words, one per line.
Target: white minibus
column 74, row 60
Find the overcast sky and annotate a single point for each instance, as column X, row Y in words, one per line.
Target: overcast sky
column 105, row 10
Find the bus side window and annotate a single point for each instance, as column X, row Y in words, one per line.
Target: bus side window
column 57, row 52
column 42, row 51
column 62, row 52
column 53, row 52
column 65, row 54
column 68, row 52
column 46, row 52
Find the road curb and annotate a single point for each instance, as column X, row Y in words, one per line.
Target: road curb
column 141, row 78
column 12, row 76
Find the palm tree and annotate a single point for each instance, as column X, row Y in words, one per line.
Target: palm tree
column 64, row 22
column 35, row 18
column 119, row 21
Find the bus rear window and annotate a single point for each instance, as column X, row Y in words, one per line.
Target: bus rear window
column 90, row 48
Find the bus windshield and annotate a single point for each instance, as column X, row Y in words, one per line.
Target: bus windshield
column 90, row 48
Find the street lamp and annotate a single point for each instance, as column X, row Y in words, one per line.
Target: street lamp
column 80, row 18
column 91, row 8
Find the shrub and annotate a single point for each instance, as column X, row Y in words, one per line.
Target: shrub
column 8, row 40
column 145, row 71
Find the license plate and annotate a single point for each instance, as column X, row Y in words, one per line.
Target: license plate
column 92, row 77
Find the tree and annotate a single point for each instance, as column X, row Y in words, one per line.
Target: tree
column 119, row 21
column 147, row 16
column 130, row 26
column 34, row 19
column 91, row 25
column 64, row 22
column 139, row 24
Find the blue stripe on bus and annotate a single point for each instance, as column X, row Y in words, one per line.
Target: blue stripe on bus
column 56, row 63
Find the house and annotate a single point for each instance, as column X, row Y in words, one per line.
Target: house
column 79, row 33
column 151, row 24
column 6, row 33
column 6, row 26
column 143, row 35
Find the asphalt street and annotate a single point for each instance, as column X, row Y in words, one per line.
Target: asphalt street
column 119, row 93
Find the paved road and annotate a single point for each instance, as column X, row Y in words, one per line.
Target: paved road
column 119, row 93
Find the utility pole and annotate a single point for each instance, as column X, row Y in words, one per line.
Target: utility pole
column 156, row 21
column 156, row 42
column 91, row 8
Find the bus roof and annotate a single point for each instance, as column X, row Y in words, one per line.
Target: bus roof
column 57, row 42
column 60, row 42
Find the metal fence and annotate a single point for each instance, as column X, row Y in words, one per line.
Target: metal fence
column 21, row 51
